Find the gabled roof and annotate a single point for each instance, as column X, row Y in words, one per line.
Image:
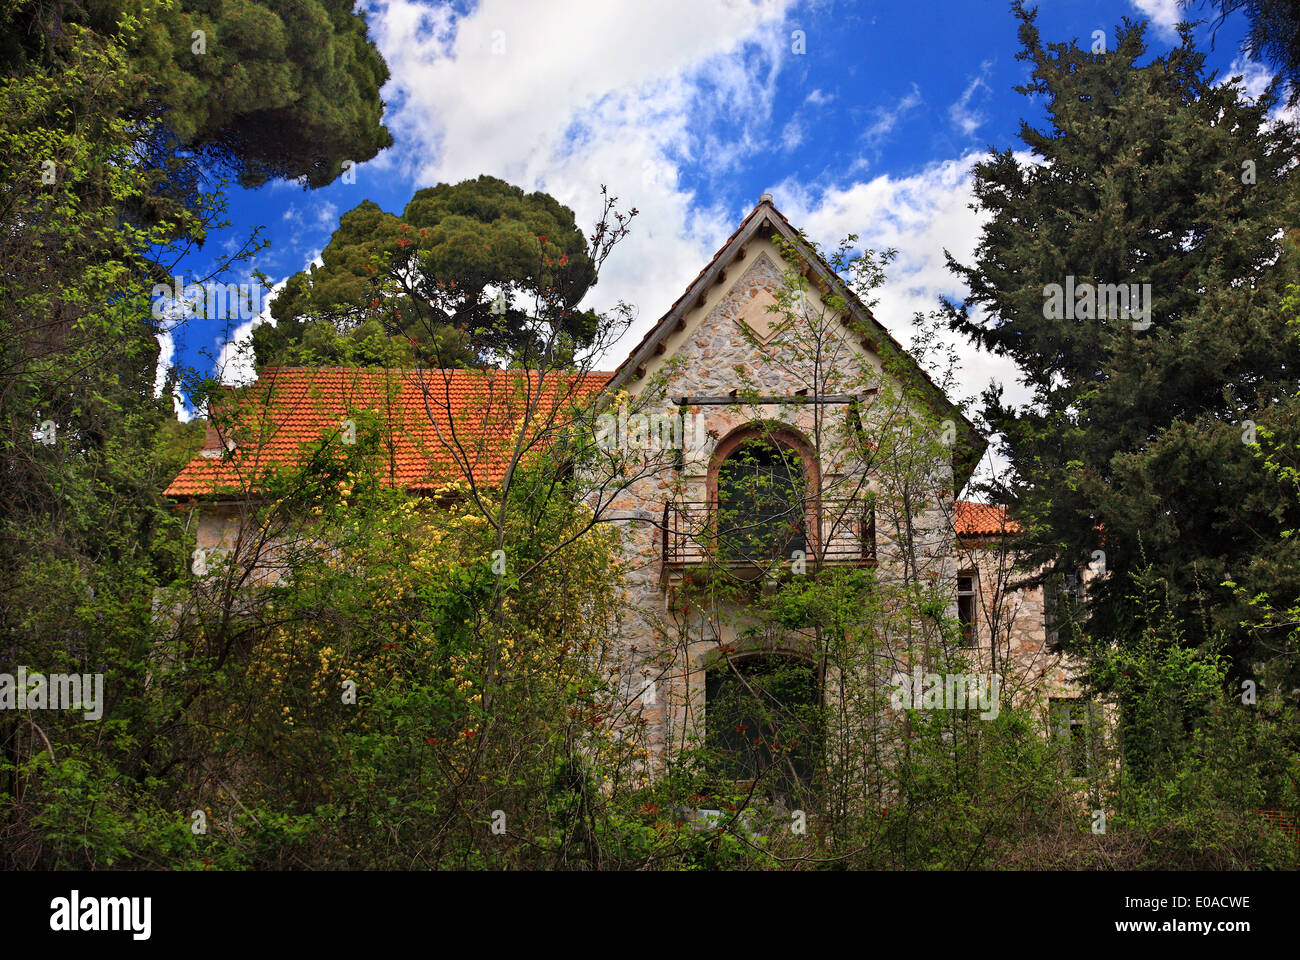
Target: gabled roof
column 288, row 407
column 762, row 219
column 437, row 424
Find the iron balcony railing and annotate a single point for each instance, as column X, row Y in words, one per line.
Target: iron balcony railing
column 699, row 532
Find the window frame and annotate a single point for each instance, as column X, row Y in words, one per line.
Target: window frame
column 969, row 628
column 758, row 511
column 784, row 438
column 1067, row 715
column 720, row 672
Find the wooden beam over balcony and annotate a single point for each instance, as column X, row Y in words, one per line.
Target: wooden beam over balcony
column 724, row 401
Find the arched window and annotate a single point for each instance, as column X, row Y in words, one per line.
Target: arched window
column 763, row 723
column 762, row 503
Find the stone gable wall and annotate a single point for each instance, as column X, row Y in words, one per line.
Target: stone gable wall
column 669, row 636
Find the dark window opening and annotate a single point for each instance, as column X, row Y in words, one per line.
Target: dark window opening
column 1075, row 725
column 763, row 723
column 761, row 505
column 1063, row 599
column 967, row 608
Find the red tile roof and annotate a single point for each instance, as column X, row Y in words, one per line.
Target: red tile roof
column 438, row 424
column 980, row 519
column 469, row 420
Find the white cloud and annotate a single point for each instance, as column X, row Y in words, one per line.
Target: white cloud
column 791, row 135
column 323, row 215
column 966, row 118
column 1255, row 78
column 166, row 357
column 920, row 216
column 235, row 361
column 1164, row 15
column 819, row 99
column 617, row 94
column 887, row 119
column 327, row 215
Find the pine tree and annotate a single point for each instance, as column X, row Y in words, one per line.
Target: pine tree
column 258, row 90
column 460, row 278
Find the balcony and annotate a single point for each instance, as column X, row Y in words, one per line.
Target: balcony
column 761, row 540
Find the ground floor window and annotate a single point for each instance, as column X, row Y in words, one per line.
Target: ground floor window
column 763, row 724
column 1076, row 727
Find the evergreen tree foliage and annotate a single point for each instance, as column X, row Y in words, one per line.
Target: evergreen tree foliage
column 1138, row 439
column 261, row 90
column 459, row 278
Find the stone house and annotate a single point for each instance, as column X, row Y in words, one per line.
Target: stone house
column 775, row 430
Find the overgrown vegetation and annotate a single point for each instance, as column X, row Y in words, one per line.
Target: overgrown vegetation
column 364, row 676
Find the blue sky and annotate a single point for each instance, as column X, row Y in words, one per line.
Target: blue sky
column 689, row 110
